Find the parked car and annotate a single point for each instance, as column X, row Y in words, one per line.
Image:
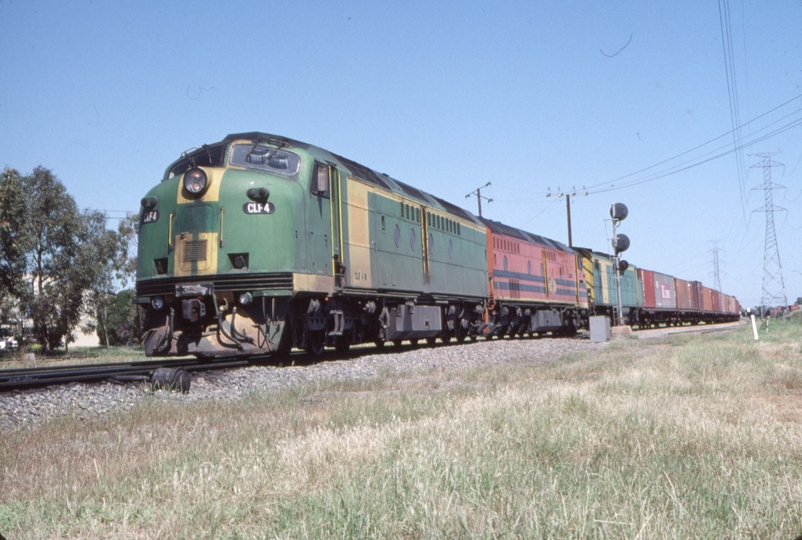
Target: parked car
column 9, row 344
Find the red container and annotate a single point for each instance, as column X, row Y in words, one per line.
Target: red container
column 647, row 285
column 716, row 301
column 684, row 294
column 707, row 298
column 697, row 295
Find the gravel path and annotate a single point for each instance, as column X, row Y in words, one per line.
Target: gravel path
column 26, row 409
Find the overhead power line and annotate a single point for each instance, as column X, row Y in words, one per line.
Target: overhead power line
column 757, row 136
column 732, row 92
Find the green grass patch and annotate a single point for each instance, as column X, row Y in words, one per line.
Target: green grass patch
column 695, row 437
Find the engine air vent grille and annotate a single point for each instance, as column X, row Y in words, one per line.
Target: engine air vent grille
column 195, row 250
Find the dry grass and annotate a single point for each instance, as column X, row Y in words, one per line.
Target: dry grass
column 77, row 355
column 692, row 437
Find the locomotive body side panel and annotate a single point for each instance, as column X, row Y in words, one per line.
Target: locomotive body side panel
column 562, row 277
column 456, row 254
column 631, row 293
column 518, row 270
column 398, row 264
column 356, row 232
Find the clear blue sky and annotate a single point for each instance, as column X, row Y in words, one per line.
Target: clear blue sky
column 529, row 96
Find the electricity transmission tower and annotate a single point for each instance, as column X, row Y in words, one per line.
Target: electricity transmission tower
column 716, row 277
column 773, row 283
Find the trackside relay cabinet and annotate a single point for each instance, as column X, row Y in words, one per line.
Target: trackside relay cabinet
column 600, row 328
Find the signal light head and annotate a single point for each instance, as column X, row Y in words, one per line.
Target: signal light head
column 619, row 211
column 620, row 243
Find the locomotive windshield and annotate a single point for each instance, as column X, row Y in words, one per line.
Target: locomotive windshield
column 206, row 156
column 265, row 158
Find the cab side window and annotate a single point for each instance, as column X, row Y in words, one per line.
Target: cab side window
column 321, row 180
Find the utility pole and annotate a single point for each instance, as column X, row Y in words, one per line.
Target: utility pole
column 568, row 206
column 479, row 197
column 773, row 283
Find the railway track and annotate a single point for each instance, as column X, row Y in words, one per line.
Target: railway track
column 158, row 372
column 162, row 372
column 174, row 373
column 165, row 372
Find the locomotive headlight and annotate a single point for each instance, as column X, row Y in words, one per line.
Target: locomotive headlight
column 195, row 181
column 245, row 298
column 157, row 302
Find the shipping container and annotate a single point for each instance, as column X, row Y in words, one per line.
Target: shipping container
column 685, row 295
column 697, row 295
column 707, row 298
column 658, row 290
column 733, row 307
column 647, row 284
column 716, row 301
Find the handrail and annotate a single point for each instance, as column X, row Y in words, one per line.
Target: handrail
column 170, row 233
column 222, row 211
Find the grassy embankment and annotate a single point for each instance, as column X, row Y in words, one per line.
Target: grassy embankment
column 688, row 437
column 77, row 355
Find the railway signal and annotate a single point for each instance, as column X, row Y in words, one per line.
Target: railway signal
column 619, row 212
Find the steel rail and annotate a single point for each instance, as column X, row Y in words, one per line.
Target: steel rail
column 30, row 378
column 142, row 370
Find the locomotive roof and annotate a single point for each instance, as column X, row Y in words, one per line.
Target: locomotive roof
column 364, row 173
column 500, row 228
column 379, row 179
column 588, row 252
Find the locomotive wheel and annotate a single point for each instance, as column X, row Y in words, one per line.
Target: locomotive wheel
column 431, row 341
column 379, row 343
column 413, row 342
column 314, row 343
column 397, row 342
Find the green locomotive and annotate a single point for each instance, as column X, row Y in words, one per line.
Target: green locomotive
column 260, row 243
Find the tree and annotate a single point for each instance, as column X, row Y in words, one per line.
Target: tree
column 61, row 261
column 120, row 322
column 128, row 229
column 14, row 236
column 113, row 257
column 101, row 256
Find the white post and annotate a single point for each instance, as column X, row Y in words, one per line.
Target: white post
column 754, row 327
